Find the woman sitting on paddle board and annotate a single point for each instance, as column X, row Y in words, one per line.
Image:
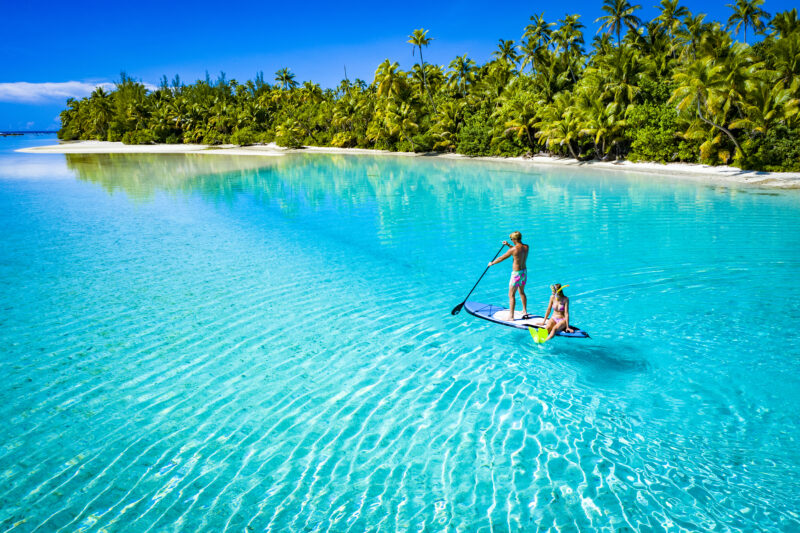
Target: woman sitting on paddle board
column 559, row 304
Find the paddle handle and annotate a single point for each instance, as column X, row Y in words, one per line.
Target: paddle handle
column 502, row 246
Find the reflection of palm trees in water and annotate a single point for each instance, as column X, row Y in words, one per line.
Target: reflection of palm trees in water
column 141, row 176
column 393, row 196
column 401, row 192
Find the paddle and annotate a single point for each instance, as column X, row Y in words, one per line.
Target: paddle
column 457, row 309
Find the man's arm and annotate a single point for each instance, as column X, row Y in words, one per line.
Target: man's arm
column 502, row 257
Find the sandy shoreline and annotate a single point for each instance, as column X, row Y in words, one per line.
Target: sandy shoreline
column 696, row 172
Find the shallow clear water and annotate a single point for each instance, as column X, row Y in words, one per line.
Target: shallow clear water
column 218, row 343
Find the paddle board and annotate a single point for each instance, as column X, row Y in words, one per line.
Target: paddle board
column 499, row 315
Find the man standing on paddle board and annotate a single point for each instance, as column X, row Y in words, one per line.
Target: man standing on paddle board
column 519, row 272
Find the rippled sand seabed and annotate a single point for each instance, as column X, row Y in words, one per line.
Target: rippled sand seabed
column 186, row 346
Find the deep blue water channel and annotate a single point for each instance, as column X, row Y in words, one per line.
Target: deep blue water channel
column 213, row 343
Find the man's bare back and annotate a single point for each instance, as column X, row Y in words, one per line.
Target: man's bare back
column 520, row 253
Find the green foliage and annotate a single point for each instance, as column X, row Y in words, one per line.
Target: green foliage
column 213, row 137
column 654, row 132
column 345, row 139
column 244, row 137
column 654, row 91
column 70, row 121
column 777, row 151
column 676, row 88
column 475, row 137
column 505, row 146
column 139, row 137
column 424, row 142
column 289, row 135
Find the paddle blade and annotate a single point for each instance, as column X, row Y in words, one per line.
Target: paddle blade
column 457, row 309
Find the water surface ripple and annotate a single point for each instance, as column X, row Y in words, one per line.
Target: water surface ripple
column 208, row 343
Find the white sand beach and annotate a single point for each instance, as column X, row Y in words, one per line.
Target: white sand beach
column 709, row 174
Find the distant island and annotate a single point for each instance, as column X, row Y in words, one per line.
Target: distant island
column 678, row 88
column 15, row 133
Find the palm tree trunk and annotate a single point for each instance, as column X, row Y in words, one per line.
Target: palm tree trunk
column 409, row 139
column 422, row 67
column 721, row 128
column 571, row 150
column 424, row 80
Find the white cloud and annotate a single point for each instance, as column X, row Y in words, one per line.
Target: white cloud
column 23, row 92
column 39, row 93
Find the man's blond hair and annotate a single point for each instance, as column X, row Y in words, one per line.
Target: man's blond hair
column 516, row 236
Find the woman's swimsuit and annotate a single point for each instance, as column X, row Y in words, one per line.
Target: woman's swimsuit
column 557, row 310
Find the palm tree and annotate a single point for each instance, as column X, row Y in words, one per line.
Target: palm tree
column 285, row 79
column 620, row 13
column 602, row 44
column 700, row 86
column 656, row 47
column 559, row 125
column 539, row 31
column 785, row 23
column 764, row 106
column 418, row 39
column 520, row 118
column 599, row 120
column 671, row 14
column 70, row 120
column 569, row 37
column 786, row 59
column 694, row 28
column 176, row 113
column 435, row 76
column 506, row 52
column 715, row 42
column 617, row 74
column 311, row 92
column 740, row 71
column 494, row 81
column 446, row 124
column 100, row 111
column 747, row 12
column 462, row 73
column 401, row 119
column 530, row 50
column 389, row 79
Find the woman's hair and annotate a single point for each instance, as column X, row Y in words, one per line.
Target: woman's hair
column 557, row 287
column 515, row 236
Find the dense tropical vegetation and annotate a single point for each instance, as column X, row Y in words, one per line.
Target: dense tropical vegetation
column 675, row 88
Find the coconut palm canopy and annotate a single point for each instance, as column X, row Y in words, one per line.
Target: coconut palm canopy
column 679, row 87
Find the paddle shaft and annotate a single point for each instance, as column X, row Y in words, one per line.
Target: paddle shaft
column 459, row 306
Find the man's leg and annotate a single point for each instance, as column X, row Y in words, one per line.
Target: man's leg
column 511, row 301
column 524, row 300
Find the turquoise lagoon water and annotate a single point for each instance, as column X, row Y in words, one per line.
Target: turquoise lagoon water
column 212, row 343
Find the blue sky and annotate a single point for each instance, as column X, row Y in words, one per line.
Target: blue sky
column 47, row 44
